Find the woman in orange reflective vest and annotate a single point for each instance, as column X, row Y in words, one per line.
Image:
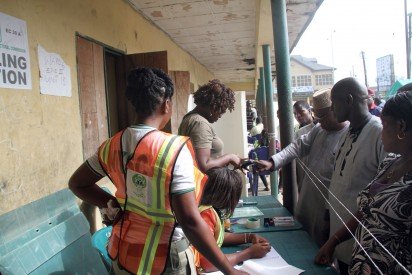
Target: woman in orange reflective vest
column 154, row 210
column 220, row 197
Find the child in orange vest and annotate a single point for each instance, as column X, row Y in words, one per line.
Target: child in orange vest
column 220, row 197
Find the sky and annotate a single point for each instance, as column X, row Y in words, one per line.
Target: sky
column 342, row 29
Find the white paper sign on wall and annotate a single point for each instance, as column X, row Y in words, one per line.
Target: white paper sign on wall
column 54, row 74
column 14, row 53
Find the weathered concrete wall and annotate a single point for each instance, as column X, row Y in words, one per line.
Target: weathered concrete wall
column 40, row 135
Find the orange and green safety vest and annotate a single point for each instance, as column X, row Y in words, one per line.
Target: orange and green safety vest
column 141, row 241
column 218, row 234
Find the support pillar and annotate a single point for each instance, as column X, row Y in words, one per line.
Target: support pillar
column 267, row 70
column 281, row 42
column 263, row 98
column 258, row 98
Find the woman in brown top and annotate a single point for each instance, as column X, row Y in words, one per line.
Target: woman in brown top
column 212, row 100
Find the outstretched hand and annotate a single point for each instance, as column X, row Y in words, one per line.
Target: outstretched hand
column 263, row 165
column 236, row 161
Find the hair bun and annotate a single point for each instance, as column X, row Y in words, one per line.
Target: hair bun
column 141, row 78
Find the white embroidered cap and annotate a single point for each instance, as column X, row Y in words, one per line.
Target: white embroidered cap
column 321, row 99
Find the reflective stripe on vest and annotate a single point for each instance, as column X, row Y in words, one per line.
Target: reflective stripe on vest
column 149, row 171
column 110, row 151
column 168, row 150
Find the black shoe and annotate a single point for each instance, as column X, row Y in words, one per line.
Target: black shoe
column 267, row 189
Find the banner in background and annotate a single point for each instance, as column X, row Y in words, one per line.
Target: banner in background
column 14, row 53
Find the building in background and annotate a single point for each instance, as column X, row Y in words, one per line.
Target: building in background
column 308, row 76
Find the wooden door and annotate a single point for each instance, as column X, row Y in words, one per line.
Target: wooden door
column 124, row 64
column 92, row 95
column 181, row 79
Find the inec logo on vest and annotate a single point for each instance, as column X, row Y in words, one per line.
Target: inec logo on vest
column 139, row 181
column 139, row 186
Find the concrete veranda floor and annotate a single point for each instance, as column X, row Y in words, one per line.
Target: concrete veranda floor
column 262, row 192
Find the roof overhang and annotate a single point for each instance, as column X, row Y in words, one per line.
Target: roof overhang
column 226, row 35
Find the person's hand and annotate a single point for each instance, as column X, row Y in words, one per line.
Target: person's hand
column 325, row 253
column 112, row 213
column 236, row 161
column 259, row 250
column 263, row 165
column 245, row 165
column 254, row 238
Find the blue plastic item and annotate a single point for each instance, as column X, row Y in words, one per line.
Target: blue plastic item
column 100, row 239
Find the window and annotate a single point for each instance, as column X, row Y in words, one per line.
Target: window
column 303, row 80
column 293, row 81
column 324, row 79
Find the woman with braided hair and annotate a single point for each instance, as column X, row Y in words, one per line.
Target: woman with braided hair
column 212, row 101
column 157, row 185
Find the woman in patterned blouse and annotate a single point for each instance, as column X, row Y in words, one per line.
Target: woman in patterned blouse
column 385, row 205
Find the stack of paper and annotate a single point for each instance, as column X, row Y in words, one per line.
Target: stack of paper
column 271, row 264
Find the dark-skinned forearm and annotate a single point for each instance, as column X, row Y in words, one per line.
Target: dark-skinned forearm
column 218, row 162
column 343, row 234
column 83, row 184
column 238, row 238
column 234, row 259
column 205, row 243
column 93, row 195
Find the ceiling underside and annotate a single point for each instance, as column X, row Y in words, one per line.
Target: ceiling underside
column 225, row 35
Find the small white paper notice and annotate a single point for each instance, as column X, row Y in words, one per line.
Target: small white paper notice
column 54, row 74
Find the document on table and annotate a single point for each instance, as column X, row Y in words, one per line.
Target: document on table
column 246, row 212
column 271, row 264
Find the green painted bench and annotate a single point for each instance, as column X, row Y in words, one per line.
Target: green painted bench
column 47, row 236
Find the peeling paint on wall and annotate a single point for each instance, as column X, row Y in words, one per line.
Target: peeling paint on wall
column 220, row 2
column 233, row 16
column 157, row 14
column 186, row 7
